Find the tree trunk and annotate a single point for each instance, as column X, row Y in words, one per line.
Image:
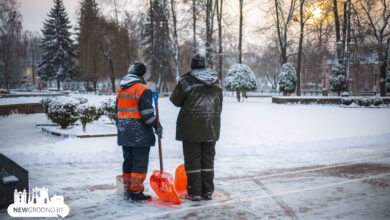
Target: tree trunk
column 383, row 68
column 84, row 126
column 348, row 39
column 344, row 30
column 240, row 34
column 238, row 95
column 173, row 9
column 283, row 55
column 208, row 32
column 33, row 71
column 152, row 33
column 320, row 56
column 337, row 25
column 194, row 24
column 302, row 25
column 219, row 15
column 58, row 85
column 112, row 75
column 244, row 96
column 94, row 85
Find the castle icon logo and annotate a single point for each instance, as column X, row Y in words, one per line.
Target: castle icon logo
column 37, row 204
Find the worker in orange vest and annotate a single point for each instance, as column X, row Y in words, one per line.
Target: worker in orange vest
column 135, row 123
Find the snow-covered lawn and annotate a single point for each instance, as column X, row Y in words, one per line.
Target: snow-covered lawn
column 93, row 99
column 259, row 141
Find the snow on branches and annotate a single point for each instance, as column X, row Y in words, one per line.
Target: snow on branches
column 57, row 46
column 287, row 78
column 87, row 114
column 241, row 77
column 65, row 111
column 337, row 81
column 108, row 108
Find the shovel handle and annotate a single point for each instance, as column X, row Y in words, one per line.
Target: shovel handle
column 155, row 98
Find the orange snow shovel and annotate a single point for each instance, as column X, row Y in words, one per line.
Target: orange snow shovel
column 160, row 181
column 181, row 180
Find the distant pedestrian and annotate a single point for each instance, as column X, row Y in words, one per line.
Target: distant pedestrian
column 136, row 120
column 199, row 96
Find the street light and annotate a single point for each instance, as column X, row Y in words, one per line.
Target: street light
column 351, row 46
column 339, row 45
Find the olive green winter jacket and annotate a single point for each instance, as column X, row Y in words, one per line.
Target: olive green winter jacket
column 199, row 95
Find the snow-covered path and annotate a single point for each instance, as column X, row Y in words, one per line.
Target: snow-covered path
column 273, row 161
column 252, row 128
column 347, row 189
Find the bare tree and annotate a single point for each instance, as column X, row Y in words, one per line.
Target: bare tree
column 283, row 20
column 117, row 7
column 32, row 40
column 377, row 16
column 11, row 49
column 194, row 24
column 302, row 22
column 176, row 51
column 114, row 47
column 337, row 27
column 209, row 31
column 219, row 6
column 240, row 33
column 132, row 24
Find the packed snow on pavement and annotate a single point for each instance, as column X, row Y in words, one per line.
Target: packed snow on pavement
column 273, row 161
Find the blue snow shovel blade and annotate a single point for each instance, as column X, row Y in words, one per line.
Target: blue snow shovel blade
column 155, row 97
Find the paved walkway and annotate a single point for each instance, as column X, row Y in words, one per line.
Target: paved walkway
column 357, row 188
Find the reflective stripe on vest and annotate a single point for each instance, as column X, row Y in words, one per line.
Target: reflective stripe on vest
column 128, row 101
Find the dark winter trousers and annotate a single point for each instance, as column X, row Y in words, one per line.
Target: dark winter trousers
column 135, row 166
column 199, row 166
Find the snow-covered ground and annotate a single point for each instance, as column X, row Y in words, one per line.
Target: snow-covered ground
column 260, row 157
column 93, row 99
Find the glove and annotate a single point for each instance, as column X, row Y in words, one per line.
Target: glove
column 159, row 131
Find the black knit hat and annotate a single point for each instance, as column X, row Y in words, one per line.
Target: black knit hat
column 137, row 68
column 198, row 61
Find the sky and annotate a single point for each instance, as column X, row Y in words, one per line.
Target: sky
column 34, row 12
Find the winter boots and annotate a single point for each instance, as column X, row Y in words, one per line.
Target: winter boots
column 136, row 196
column 208, row 196
column 193, row 198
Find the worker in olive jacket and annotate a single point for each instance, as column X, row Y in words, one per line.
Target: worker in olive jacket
column 199, row 96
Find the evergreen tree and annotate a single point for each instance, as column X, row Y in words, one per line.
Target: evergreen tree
column 158, row 51
column 287, row 78
column 239, row 78
column 57, row 46
column 88, row 41
column 337, row 81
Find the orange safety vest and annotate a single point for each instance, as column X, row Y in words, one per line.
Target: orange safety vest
column 128, row 101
